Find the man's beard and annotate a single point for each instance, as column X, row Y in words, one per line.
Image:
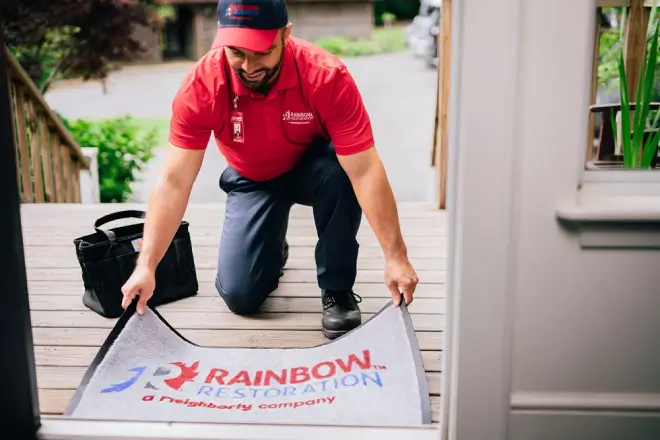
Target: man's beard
column 263, row 85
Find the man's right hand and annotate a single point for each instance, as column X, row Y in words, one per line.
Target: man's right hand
column 141, row 283
column 167, row 205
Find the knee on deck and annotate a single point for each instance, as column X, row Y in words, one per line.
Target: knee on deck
column 242, row 296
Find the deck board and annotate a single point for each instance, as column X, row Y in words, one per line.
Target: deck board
column 285, row 290
column 214, row 320
column 290, row 275
column 204, row 303
column 67, row 335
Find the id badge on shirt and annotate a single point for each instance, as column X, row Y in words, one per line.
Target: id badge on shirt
column 237, row 128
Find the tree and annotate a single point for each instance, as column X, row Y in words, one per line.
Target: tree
column 75, row 38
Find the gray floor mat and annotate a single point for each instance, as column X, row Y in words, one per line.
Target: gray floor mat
column 147, row 371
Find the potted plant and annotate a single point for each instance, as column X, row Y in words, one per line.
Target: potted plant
column 633, row 132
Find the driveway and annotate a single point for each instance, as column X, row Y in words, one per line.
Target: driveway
column 399, row 92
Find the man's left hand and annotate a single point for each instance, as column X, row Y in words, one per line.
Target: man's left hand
column 400, row 277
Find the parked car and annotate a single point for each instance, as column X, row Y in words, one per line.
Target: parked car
column 421, row 35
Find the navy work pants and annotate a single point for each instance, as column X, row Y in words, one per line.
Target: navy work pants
column 251, row 246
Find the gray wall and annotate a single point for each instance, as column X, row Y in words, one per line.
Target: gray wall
column 555, row 328
column 316, row 19
column 205, row 25
column 152, row 42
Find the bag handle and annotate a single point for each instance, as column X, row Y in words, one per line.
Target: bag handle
column 129, row 213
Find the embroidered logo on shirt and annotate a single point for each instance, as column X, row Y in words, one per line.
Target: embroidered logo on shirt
column 297, row 117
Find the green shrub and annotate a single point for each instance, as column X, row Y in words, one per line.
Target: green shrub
column 124, row 147
column 342, row 46
column 406, row 9
column 388, row 18
column 403, row 9
column 382, row 41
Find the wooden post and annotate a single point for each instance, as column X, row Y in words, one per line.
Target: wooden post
column 37, row 166
column 23, row 144
column 442, row 112
column 594, row 86
column 57, row 146
column 46, row 157
column 636, row 27
column 67, row 171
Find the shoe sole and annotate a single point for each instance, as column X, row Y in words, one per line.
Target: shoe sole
column 333, row 334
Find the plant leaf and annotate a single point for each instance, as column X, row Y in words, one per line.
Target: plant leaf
column 651, row 149
column 645, row 101
column 652, row 20
column 654, row 9
column 625, row 115
column 639, row 122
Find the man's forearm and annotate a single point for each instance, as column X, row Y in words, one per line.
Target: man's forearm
column 166, row 208
column 375, row 196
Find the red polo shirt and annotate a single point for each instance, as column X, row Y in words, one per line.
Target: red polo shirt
column 263, row 137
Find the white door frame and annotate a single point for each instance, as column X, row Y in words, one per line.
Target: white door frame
column 482, row 186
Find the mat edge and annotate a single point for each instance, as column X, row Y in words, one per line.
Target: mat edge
column 328, row 342
column 100, row 355
column 419, row 366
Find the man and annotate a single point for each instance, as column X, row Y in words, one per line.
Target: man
column 290, row 121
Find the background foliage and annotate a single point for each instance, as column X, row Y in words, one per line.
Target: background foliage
column 53, row 39
column 384, row 40
column 403, row 9
column 124, row 147
column 611, row 47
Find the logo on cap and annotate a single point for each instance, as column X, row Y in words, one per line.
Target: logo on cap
column 240, row 12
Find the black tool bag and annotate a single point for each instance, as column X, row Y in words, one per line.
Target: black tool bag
column 107, row 259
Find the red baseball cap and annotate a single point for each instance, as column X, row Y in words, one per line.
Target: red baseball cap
column 250, row 24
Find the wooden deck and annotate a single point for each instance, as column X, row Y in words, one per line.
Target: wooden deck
column 67, row 335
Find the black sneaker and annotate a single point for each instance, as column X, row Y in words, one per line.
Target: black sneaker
column 341, row 313
column 285, row 256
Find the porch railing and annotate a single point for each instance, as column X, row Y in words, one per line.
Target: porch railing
column 49, row 160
